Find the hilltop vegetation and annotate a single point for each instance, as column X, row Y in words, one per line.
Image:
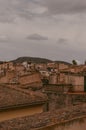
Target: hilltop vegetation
column 35, row 60
column 32, row 59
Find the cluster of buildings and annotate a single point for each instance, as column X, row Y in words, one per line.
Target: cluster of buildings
column 64, row 74
column 22, row 74
column 29, row 88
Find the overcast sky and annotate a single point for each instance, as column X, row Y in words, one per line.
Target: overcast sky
column 54, row 29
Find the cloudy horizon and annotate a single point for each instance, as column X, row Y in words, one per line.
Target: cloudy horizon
column 53, row 29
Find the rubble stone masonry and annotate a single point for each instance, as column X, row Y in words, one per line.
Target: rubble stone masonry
column 43, row 120
column 27, row 79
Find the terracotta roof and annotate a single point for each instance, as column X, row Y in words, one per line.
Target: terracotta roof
column 13, row 97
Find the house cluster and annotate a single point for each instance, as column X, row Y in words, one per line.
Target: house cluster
column 65, row 74
column 23, row 74
column 15, row 102
column 27, row 88
column 17, row 98
column 37, row 74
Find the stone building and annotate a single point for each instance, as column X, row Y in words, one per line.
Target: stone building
column 7, row 66
column 30, row 79
column 40, row 66
column 62, row 65
column 53, row 79
column 16, row 102
column 77, row 81
column 75, row 75
column 19, row 76
column 8, row 77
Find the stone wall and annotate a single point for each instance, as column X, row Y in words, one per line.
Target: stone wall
column 8, row 77
column 57, row 101
column 20, row 112
column 76, row 80
column 28, row 79
column 53, row 79
column 38, row 121
column 62, row 66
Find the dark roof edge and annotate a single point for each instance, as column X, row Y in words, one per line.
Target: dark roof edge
column 22, row 105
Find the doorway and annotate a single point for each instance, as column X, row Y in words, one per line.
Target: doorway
column 84, row 83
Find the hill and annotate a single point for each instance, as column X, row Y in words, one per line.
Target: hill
column 63, row 62
column 32, row 59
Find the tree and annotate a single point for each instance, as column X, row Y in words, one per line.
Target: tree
column 74, row 62
column 85, row 62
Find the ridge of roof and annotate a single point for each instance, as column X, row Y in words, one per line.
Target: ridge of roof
column 11, row 96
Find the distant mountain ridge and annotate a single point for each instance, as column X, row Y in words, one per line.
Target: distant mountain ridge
column 37, row 60
column 32, row 59
column 63, row 62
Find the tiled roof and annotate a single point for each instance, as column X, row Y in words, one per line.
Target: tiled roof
column 11, row 97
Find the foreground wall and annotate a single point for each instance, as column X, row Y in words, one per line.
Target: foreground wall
column 57, row 101
column 78, row 124
column 46, row 119
column 20, row 112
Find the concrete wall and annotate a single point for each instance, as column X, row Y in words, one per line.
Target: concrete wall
column 25, row 79
column 44, row 121
column 62, row 78
column 8, row 77
column 76, row 124
column 76, row 80
column 19, row 68
column 53, row 79
column 13, row 113
column 59, row 66
column 8, row 65
column 57, row 101
column 28, row 79
column 41, row 66
column 62, row 66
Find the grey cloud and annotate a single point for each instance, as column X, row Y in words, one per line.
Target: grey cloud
column 11, row 9
column 36, row 37
column 64, row 37
column 29, row 9
column 62, row 41
column 65, row 6
column 3, row 38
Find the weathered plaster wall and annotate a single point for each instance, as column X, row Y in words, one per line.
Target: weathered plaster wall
column 62, row 66
column 27, row 79
column 44, row 120
column 78, row 124
column 53, row 79
column 57, row 101
column 20, row 112
column 8, row 77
